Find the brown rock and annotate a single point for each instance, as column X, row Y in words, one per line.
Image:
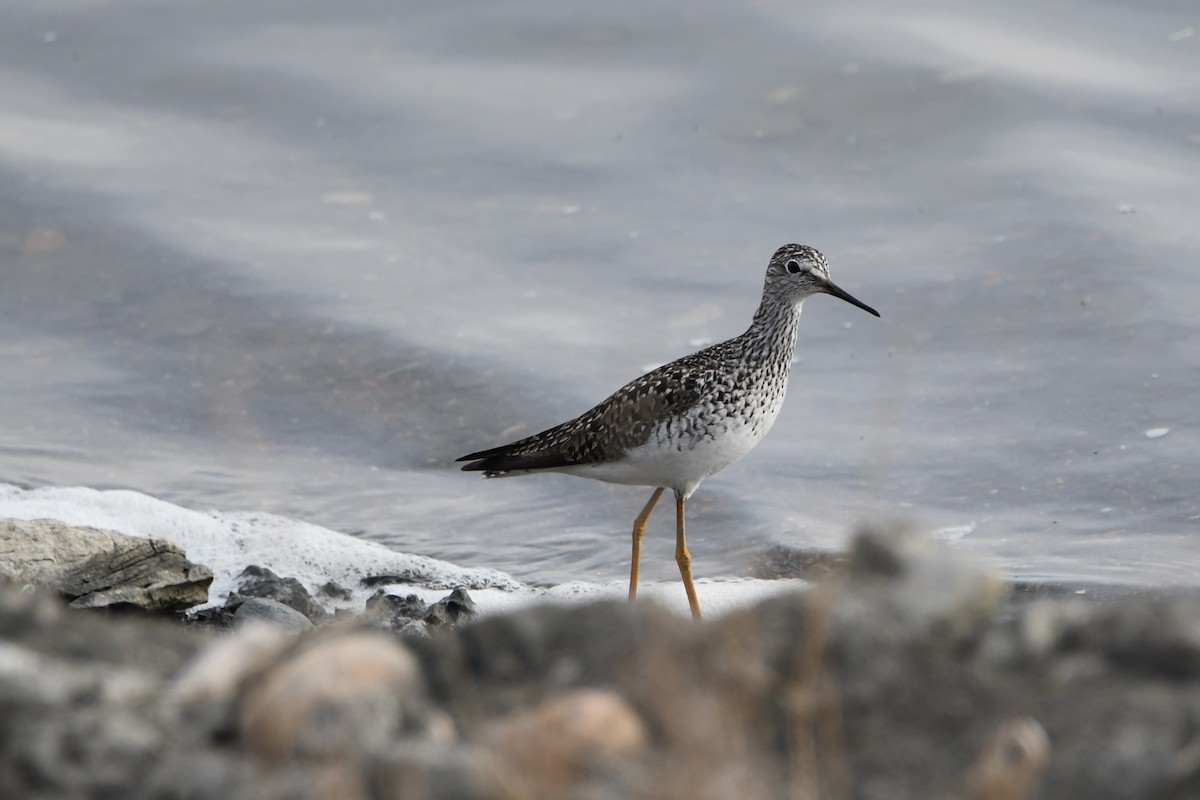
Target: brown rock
column 343, row 695
column 207, row 690
column 1011, row 763
column 545, row 750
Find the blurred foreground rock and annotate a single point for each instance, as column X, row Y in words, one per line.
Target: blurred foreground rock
column 910, row 674
column 100, row 569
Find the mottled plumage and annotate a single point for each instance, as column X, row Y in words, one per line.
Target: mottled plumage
column 680, row 423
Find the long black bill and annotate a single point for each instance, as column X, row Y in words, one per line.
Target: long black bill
column 832, row 288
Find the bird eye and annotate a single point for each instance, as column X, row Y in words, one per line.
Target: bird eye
column 793, row 266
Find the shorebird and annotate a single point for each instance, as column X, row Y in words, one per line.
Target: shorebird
column 686, row 420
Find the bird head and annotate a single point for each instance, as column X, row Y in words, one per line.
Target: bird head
column 798, row 271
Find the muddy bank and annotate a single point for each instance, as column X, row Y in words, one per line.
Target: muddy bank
column 909, row 674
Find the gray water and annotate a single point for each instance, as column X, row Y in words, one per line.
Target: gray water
column 297, row 257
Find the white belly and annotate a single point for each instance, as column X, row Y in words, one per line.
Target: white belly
column 680, row 462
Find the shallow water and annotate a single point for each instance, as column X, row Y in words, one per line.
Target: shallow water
column 296, row 258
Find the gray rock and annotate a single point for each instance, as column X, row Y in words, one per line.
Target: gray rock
column 905, row 681
column 78, row 694
column 1045, row 628
column 256, row 581
column 259, row 583
column 334, row 591
column 926, row 589
column 100, row 568
column 270, row 612
column 395, row 613
column 781, row 562
column 1157, row 635
column 453, row 609
column 887, row 550
column 108, row 741
column 412, row 616
column 949, row 595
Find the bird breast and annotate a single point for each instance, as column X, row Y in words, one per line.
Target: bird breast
column 683, row 450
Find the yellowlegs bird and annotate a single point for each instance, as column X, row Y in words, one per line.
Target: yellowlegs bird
column 678, row 424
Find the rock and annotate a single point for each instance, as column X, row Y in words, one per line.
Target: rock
column 265, row 597
column 204, row 697
column 558, row 742
column 1011, row 762
column 1156, row 635
column 212, row 617
column 334, row 591
column 215, row 677
column 339, row 696
column 77, row 696
column 947, row 594
column 255, row 581
column 41, row 622
column 781, row 562
column 262, row 611
column 411, row 616
column 391, row 612
column 453, row 609
column 1045, row 628
column 887, row 550
column 929, row 587
column 430, row 771
column 99, row 568
column 904, row 681
column 1122, row 740
column 107, row 739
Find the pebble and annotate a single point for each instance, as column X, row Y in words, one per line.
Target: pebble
column 343, row 694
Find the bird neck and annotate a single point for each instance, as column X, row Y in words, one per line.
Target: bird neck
column 772, row 334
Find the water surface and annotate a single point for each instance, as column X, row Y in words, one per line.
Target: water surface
column 297, row 257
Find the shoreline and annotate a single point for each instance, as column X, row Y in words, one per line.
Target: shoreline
column 914, row 673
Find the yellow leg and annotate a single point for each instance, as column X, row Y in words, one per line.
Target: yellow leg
column 684, row 558
column 639, row 530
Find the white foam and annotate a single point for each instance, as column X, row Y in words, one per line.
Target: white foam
column 228, row 542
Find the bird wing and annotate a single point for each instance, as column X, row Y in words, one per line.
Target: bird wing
column 624, row 420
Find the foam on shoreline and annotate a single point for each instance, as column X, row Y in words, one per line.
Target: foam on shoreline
column 228, row 542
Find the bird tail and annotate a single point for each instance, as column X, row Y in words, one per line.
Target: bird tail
column 506, row 460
